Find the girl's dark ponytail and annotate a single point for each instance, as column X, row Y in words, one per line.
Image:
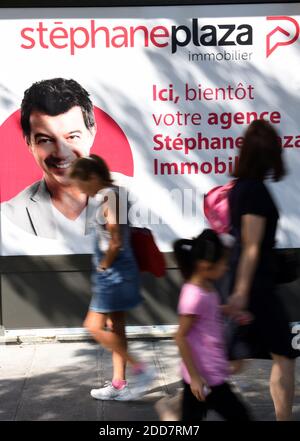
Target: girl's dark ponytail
column 83, row 168
column 183, row 255
column 102, row 169
column 207, row 246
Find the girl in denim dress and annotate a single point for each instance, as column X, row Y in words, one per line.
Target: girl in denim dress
column 115, row 278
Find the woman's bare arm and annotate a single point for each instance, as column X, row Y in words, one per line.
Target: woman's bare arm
column 111, row 214
column 252, row 232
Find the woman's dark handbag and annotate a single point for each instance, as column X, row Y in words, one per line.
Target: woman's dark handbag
column 149, row 258
column 285, row 266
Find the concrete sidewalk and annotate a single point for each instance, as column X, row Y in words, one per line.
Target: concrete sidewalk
column 52, row 381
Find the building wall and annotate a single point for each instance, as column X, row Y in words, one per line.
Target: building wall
column 54, row 291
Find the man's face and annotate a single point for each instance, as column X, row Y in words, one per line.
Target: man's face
column 56, row 141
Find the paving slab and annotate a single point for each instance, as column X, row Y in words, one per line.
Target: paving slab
column 52, row 381
column 58, row 382
column 15, row 363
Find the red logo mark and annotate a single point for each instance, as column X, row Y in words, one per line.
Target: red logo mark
column 280, row 32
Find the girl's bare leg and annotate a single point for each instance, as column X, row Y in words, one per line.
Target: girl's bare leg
column 112, row 338
column 119, row 363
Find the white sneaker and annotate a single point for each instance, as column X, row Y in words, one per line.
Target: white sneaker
column 126, row 394
column 142, row 381
column 109, row 392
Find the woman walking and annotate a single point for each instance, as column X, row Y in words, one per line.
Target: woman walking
column 115, row 279
column 254, row 218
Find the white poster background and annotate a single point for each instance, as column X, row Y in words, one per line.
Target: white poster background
column 120, row 81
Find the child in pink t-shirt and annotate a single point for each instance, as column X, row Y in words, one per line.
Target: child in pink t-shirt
column 205, row 368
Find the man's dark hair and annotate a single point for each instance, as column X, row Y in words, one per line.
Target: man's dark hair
column 53, row 97
column 261, row 153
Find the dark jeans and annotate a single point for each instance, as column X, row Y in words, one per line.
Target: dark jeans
column 221, row 399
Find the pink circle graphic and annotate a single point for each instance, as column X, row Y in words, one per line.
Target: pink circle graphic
column 18, row 168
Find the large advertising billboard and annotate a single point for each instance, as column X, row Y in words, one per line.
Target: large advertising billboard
column 173, row 89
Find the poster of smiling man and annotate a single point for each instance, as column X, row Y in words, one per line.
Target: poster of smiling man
column 162, row 94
